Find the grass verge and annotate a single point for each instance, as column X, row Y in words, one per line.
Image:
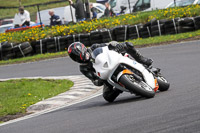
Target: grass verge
column 166, row 39
column 17, row 95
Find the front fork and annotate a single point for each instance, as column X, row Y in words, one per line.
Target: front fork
column 112, row 79
column 156, row 74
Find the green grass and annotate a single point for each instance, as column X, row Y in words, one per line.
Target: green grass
column 167, row 38
column 17, row 95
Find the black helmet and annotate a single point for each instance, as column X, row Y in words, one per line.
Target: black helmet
column 78, row 52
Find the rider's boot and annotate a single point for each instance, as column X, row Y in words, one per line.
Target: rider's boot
column 137, row 56
column 141, row 59
column 110, row 94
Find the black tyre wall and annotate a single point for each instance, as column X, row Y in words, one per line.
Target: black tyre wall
column 186, row 25
column 95, row 37
column 84, row 38
column 39, row 46
column 7, row 50
column 23, row 49
column 106, row 35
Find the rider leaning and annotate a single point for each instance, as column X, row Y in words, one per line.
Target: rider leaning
column 79, row 53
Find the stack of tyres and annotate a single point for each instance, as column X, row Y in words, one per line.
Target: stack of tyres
column 133, row 32
column 186, row 25
column 23, row 49
column 62, row 43
column 51, row 44
column 144, row 31
column 7, row 50
column 157, row 27
column 112, row 34
column 197, row 22
column 95, row 37
column 71, row 39
column 39, row 46
column 84, row 38
column 148, row 24
column 171, row 26
column 106, row 35
column 121, row 33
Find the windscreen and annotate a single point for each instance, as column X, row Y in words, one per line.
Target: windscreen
column 96, row 52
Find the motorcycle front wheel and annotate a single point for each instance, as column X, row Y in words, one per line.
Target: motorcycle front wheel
column 137, row 87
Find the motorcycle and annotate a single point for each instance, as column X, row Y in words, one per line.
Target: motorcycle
column 126, row 74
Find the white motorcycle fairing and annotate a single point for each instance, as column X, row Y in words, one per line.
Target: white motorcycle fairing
column 107, row 61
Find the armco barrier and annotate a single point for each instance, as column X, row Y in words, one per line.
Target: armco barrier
column 120, row 33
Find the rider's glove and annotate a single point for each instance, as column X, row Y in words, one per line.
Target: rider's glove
column 112, row 45
column 118, row 47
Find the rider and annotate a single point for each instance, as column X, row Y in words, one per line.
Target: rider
column 79, row 53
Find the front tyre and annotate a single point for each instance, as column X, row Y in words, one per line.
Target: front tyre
column 163, row 83
column 139, row 88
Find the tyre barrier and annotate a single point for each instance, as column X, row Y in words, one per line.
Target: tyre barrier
column 157, row 27
column 84, row 38
column 197, row 22
column 144, row 31
column 7, row 50
column 171, row 26
column 95, row 37
column 186, row 25
column 39, row 46
column 120, row 33
column 14, row 50
column 22, row 49
column 106, row 35
column 133, row 32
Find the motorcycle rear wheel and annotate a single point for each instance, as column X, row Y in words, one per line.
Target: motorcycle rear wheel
column 139, row 88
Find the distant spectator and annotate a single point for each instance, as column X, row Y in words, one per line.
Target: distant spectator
column 22, row 18
column 93, row 11
column 102, row 1
column 55, row 19
column 79, row 10
column 108, row 11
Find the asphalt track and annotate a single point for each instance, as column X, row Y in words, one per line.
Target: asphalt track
column 174, row 111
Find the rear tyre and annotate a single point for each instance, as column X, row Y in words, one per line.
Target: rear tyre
column 163, row 83
column 139, row 88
